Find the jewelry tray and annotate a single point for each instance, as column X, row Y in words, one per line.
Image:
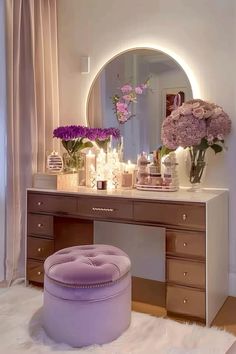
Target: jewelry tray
column 148, row 187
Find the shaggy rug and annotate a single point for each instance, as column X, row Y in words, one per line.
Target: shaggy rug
column 21, row 332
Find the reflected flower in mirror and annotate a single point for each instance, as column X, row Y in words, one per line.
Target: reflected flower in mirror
column 128, row 95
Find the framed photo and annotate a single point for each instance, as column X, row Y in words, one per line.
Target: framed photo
column 173, row 97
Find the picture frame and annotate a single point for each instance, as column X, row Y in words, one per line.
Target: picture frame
column 168, row 97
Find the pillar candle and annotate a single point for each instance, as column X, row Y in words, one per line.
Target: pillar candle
column 89, row 164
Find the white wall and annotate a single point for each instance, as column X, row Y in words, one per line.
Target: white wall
column 2, row 137
column 199, row 34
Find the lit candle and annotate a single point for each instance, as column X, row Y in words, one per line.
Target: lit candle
column 89, row 162
column 130, row 167
column 101, row 165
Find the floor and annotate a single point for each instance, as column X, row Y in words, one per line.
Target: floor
column 226, row 317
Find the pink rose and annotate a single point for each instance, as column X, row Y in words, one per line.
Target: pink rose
column 121, row 106
column 198, row 112
column 138, row 90
column 126, row 88
column 186, row 109
column 196, row 105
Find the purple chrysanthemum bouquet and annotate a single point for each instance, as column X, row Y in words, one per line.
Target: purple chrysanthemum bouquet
column 196, row 125
column 122, row 102
column 103, row 135
column 73, row 137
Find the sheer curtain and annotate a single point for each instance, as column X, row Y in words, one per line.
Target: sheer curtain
column 33, row 111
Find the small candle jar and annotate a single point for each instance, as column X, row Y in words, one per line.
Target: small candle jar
column 101, row 185
column 127, row 180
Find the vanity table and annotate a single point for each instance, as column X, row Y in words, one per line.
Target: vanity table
column 196, row 227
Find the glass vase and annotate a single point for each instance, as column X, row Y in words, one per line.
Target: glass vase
column 196, row 167
column 73, row 162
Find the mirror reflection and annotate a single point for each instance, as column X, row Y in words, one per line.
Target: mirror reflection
column 167, row 85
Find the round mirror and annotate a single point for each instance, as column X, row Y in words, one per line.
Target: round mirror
column 134, row 92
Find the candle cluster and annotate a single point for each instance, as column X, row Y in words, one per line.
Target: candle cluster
column 107, row 167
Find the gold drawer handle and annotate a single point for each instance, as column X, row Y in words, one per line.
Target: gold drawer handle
column 185, row 301
column 185, row 244
column 185, row 274
column 184, row 217
column 40, row 249
column 40, row 225
column 39, row 203
column 103, row 209
column 39, row 273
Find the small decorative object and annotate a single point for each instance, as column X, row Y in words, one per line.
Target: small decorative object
column 123, row 101
column 149, row 178
column 170, row 176
column 101, row 185
column 196, row 125
column 54, row 163
column 142, row 163
column 127, row 180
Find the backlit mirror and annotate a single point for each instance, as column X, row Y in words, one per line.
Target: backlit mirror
column 142, row 132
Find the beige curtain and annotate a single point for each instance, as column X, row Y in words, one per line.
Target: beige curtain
column 33, row 111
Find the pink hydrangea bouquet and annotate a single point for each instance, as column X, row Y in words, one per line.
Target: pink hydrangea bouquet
column 196, row 125
column 122, row 102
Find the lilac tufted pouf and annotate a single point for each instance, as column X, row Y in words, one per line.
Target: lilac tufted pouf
column 87, row 295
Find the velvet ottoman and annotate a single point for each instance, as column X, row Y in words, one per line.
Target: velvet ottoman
column 87, row 295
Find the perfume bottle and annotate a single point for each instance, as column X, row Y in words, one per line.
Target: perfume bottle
column 143, row 172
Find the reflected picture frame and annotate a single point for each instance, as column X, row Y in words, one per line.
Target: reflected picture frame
column 168, row 98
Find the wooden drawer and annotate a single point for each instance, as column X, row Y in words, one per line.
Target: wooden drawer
column 187, row 273
column 40, row 225
column 185, row 301
column 51, row 203
column 187, row 243
column 105, row 208
column 183, row 215
column 35, row 271
column 39, row 248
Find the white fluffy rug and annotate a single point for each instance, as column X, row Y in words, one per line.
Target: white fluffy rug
column 21, row 332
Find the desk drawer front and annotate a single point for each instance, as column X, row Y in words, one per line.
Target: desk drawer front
column 186, row 301
column 186, row 273
column 186, row 243
column 105, row 208
column 35, row 271
column 39, row 248
column 184, row 215
column 52, row 203
column 40, row 225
